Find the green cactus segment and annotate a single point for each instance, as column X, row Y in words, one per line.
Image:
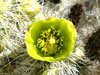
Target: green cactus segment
column 51, row 39
column 30, row 7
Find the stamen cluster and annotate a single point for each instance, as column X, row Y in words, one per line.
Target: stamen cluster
column 50, row 42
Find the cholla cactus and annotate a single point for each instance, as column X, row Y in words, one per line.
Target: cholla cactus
column 4, row 6
column 30, row 7
column 14, row 22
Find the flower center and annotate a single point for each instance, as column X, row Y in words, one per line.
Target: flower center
column 50, row 42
